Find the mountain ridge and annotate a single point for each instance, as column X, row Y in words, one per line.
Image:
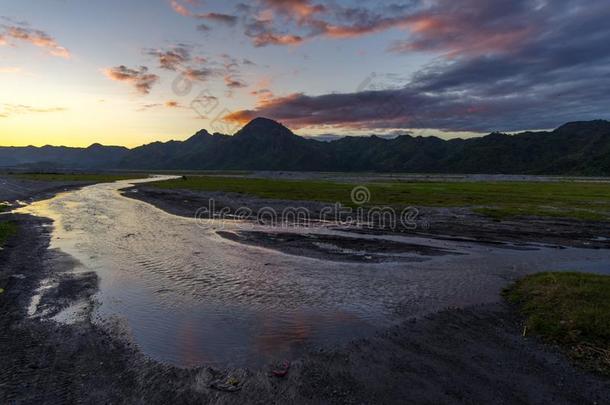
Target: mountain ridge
column 575, row 148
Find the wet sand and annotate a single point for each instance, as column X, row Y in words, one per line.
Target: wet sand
column 14, row 190
column 474, row 354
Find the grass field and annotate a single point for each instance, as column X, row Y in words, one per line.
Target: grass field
column 6, row 230
column 495, row 199
column 93, row 178
column 569, row 309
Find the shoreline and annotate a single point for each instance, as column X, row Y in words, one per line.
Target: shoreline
column 473, row 354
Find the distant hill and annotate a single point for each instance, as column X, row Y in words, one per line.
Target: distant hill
column 95, row 156
column 576, row 148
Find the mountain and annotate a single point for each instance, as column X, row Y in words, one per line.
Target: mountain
column 95, row 156
column 576, row 148
column 262, row 144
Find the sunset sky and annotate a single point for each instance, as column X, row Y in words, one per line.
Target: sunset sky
column 135, row 71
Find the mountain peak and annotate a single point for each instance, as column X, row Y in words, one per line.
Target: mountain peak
column 578, row 126
column 258, row 121
column 264, row 127
column 199, row 135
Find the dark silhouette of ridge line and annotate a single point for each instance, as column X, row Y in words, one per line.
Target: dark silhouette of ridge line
column 575, row 148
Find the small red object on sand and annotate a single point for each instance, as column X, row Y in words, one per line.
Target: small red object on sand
column 282, row 372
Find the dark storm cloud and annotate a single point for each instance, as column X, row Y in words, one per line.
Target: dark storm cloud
column 506, row 66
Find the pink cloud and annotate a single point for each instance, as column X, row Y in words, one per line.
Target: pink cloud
column 180, row 9
column 269, row 38
column 461, row 34
column 35, row 37
column 299, row 9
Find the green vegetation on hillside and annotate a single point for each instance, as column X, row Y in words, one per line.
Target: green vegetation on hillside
column 569, row 309
column 92, row 178
column 7, row 229
column 496, row 199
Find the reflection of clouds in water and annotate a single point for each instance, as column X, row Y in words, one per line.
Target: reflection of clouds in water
column 190, row 345
column 278, row 336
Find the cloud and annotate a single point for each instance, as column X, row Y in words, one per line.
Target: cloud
column 10, row 70
column 199, row 75
column 432, row 25
column 222, row 18
column 139, row 78
column 9, row 110
column 203, row 28
column 291, row 22
column 171, row 59
column 173, row 104
column 180, row 9
column 268, row 38
column 234, row 83
column 14, row 33
column 149, row 106
column 198, row 68
column 179, row 58
column 505, row 66
column 219, row 18
column 472, row 26
column 262, row 90
column 263, row 33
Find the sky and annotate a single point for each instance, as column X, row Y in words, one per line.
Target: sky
column 131, row 72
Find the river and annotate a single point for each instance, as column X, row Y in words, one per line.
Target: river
column 186, row 296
